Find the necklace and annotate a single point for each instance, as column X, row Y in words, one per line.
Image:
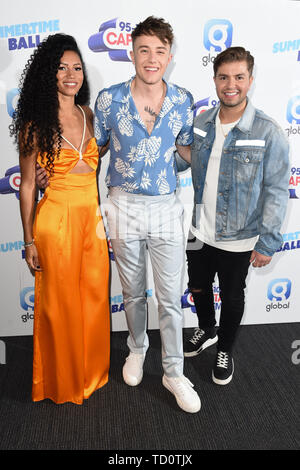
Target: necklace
column 225, row 135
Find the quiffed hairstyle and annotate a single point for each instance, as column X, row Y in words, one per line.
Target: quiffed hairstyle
column 234, row 54
column 153, row 26
column 35, row 123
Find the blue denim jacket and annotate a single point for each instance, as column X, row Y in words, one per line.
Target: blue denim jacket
column 253, row 177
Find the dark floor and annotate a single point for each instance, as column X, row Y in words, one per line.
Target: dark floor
column 259, row 409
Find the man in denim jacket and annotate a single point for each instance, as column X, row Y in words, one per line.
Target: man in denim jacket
column 240, row 172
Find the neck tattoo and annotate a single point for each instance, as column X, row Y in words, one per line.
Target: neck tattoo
column 150, row 111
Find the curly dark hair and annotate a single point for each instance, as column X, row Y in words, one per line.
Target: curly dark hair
column 35, row 121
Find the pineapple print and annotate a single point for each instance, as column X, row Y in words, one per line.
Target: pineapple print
column 190, row 116
column 169, row 153
column 183, row 139
column 166, row 107
column 162, row 183
column 104, row 102
column 124, row 121
column 146, row 181
column 97, row 129
column 153, row 144
column 133, row 155
column 149, row 150
column 124, row 168
column 180, row 98
column 129, row 187
column 116, row 142
column 175, row 123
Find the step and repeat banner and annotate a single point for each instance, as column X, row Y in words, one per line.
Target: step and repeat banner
column 268, row 28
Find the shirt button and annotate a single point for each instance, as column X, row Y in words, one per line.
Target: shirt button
column 247, row 160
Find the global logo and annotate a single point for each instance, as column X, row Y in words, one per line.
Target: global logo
column 293, row 110
column 27, row 303
column 217, row 37
column 12, row 97
column 293, row 116
column 279, row 291
column 114, row 37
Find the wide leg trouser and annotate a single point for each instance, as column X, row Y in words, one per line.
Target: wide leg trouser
column 71, row 311
column 138, row 224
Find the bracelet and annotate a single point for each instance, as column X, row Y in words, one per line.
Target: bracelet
column 29, row 243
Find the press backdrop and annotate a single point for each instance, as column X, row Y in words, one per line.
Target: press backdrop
column 268, row 28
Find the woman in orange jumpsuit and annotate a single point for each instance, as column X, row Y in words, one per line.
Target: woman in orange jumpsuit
column 64, row 237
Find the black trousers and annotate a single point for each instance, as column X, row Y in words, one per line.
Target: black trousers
column 232, row 269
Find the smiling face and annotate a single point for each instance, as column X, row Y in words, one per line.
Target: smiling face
column 70, row 74
column 233, row 82
column 150, row 57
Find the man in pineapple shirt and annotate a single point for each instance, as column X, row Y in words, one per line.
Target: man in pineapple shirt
column 145, row 120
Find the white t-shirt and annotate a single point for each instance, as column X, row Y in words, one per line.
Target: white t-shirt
column 206, row 232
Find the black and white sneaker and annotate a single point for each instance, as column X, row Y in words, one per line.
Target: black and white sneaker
column 198, row 342
column 223, row 368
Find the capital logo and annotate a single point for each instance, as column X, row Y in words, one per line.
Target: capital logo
column 114, row 37
column 110, row 250
column 294, row 182
column 293, row 110
column 10, row 183
column 217, row 35
column 279, row 290
column 202, row 105
column 187, row 301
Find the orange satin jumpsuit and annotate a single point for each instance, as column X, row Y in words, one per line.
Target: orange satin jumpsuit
column 71, row 310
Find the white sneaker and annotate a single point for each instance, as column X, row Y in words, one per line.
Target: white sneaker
column 133, row 369
column 182, row 388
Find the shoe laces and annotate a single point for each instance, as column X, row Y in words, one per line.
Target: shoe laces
column 136, row 358
column 198, row 333
column 222, row 359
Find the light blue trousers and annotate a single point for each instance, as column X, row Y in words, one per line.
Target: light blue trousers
column 138, row 223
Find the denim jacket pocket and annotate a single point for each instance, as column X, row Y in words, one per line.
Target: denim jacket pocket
column 245, row 164
column 246, row 168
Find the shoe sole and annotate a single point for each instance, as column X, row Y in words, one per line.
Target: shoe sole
column 223, row 382
column 131, row 384
column 179, row 403
column 205, row 345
